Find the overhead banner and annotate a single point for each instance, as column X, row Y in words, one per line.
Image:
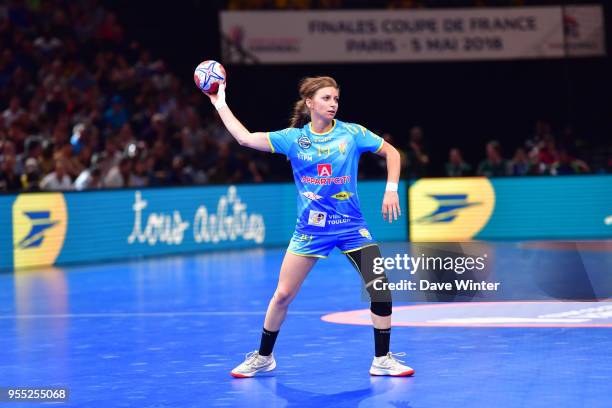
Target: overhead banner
column 272, row 37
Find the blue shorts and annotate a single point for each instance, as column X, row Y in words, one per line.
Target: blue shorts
column 321, row 245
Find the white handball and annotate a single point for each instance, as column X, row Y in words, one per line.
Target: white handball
column 208, row 75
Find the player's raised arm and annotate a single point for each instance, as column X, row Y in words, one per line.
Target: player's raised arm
column 256, row 140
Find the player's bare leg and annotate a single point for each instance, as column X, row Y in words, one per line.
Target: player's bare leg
column 293, row 271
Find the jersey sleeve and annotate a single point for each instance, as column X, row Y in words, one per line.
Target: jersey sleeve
column 281, row 140
column 368, row 141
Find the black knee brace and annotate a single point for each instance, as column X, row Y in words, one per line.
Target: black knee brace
column 381, row 308
column 375, row 284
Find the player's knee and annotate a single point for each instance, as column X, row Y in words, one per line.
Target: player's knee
column 282, row 297
column 381, row 308
column 378, row 289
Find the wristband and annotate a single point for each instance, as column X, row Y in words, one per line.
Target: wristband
column 220, row 104
column 391, row 187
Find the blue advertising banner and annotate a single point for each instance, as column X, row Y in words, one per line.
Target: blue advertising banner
column 40, row 229
column 60, row 228
column 460, row 209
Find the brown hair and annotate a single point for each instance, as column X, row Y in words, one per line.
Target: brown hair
column 308, row 87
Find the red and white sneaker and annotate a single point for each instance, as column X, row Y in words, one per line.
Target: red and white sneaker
column 253, row 364
column 389, row 365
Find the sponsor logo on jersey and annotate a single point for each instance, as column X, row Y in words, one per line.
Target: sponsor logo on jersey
column 304, row 156
column 304, row 142
column 325, row 150
column 338, row 219
column 322, row 139
column 317, row 218
column 326, row 181
column 39, row 229
column 365, row 233
column 343, row 195
column 302, row 238
column 311, row 196
column 450, row 209
column 324, row 170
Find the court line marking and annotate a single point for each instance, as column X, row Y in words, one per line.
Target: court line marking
column 356, row 317
column 155, row 314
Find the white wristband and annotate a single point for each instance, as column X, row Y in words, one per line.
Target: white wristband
column 220, row 104
column 391, row 187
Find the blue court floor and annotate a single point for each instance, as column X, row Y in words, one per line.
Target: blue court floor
column 166, row 332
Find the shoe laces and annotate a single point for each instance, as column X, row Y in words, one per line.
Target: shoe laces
column 252, row 358
column 392, row 357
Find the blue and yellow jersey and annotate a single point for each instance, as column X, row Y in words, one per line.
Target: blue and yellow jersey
column 325, row 172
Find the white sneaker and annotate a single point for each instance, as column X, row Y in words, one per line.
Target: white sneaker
column 253, row 364
column 389, row 365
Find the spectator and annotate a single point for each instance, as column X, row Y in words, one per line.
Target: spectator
column 140, row 176
column 9, row 180
column 156, row 129
column 108, row 158
column 7, row 149
column 536, row 167
column 81, row 79
column 519, row 165
column 57, row 180
column 456, row 166
column 119, row 175
column 110, row 30
column 160, row 165
column 55, row 104
column 547, row 150
column 46, row 43
column 72, row 164
column 116, row 115
column 46, row 162
column 89, row 179
column 225, row 170
column 181, row 175
column 246, row 169
column 30, row 179
column 13, row 112
column 218, row 132
column 77, row 140
column 494, row 165
column 542, row 130
column 565, row 165
column 417, row 158
column 33, row 148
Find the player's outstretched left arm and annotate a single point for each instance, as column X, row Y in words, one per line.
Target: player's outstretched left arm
column 256, row 140
column 391, row 206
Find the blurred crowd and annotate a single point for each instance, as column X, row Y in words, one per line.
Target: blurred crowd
column 81, row 107
column 541, row 154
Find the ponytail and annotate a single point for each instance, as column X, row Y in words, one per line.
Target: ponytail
column 300, row 115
